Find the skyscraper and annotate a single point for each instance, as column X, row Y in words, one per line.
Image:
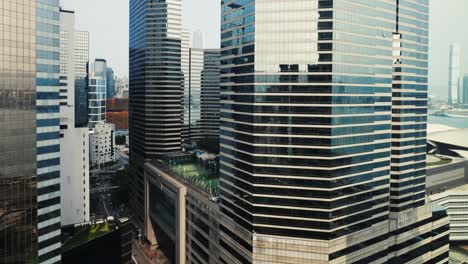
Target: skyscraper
column 155, row 110
column 96, row 99
column 454, row 73
column 317, row 164
column 192, row 67
column 110, row 78
column 81, row 77
column 465, row 90
column 29, row 116
column 210, row 104
column 200, row 73
column 48, row 130
column 18, row 165
column 74, row 140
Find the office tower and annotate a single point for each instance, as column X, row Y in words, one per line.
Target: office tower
column 192, row 66
column 185, row 68
column 155, row 88
column 29, row 122
column 454, row 73
column 18, row 181
column 96, row 99
column 200, row 73
column 74, row 140
column 110, row 83
column 81, row 77
column 317, row 165
column 210, row 104
column 48, row 130
column 465, row 90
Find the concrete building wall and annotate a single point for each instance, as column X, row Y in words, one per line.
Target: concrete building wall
column 74, row 141
column 102, row 142
column 75, row 176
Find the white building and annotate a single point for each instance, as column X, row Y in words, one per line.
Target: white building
column 102, row 142
column 74, row 140
column 455, row 201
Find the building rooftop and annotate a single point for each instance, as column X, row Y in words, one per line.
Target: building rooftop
column 85, row 233
column 457, row 137
column 200, row 174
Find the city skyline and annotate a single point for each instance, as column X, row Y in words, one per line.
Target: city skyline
column 245, row 132
column 101, row 37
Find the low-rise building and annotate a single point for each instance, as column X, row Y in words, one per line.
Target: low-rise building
column 102, row 142
column 447, row 186
column 100, row 241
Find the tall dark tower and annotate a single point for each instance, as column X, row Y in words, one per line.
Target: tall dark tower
column 155, row 88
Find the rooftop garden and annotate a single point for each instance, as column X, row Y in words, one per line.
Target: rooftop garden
column 84, row 234
column 203, row 174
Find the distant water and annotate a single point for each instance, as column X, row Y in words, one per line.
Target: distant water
column 449, row 121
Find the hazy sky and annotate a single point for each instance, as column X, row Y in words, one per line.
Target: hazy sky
column 107, row 22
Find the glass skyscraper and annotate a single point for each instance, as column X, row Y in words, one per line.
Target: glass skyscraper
column 110, row 83
column 323, row 126
column 210, row 105
column 200, row 84
column 29, row 125
column 48, row 130
column 155, row 107
column 18, row 136
column 465, row 90
column 96, row 100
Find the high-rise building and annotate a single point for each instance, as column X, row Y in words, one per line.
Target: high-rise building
column 110, row 83
column 192, row 67
column 155, row 88
column 317, row 164
column 74, row 140
column 465, row 90
column 200, row 73
column 81, row 78
column 48, row 130
column 210, row 96
column 185, row 68
column 454, row 73
column 29, row 125
column 96, row 100
column 18, row 165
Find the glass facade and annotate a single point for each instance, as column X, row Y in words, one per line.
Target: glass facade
column 192, row 74
column 110, row 83
column 48, row 129
column 305, row 142
column 210, row 104
column 97, row 100
column 155, row 106
column 323, row 138
column 200, row 73
column 18, row 181
column 409, row 106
